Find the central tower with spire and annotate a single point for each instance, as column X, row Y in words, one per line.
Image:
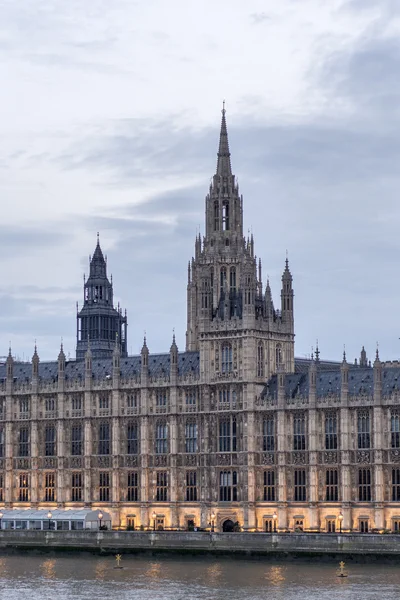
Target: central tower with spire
column 100, row 326
column 231, row 319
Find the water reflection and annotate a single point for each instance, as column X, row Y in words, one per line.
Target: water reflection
column 214, row 573
column 275, row 576
column 101, row 568
column 91, row 578
column 49, row 568
column 154, row 571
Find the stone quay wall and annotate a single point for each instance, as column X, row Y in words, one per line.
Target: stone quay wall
column 247, row 544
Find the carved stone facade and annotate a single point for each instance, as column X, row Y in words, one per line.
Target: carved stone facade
column 198, row 437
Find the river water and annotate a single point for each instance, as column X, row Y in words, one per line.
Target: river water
column 91, row 578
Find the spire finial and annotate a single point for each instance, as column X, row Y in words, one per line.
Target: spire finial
column 377, row 351
column 344, row 353
column 224, row 156
column 98, row 238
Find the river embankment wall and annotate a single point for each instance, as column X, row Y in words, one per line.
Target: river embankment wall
column 356, row 546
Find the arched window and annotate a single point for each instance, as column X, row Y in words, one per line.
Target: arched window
column 331, row 431
column 278, row 355
column 227, row 434
column 190, row 436
column 104, row 438
column 226, row 362
column 260, row 360
column 364, row 429
column 299, row 432
column 161, row 438
column 228, row 486
column 216, row 216
column 233, row 279
column 395, row 430
column 223, row 277
column 225, row 216
column 269, row 434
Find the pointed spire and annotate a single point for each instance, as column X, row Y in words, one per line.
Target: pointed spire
column 224, row 156
column 344, row 354
column 286, row 273
column 61, row 355
column 377, row 360
column 317, row 353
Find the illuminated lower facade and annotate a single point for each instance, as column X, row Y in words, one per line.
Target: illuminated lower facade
column 172, row 452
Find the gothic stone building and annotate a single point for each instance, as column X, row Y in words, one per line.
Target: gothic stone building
column 234, row 430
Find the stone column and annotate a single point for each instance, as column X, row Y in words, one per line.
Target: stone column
column 61, row 488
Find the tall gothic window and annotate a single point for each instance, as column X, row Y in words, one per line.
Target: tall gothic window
column 364, row 485
column 161, row 399
column 132, row 438
column 331, row 485
column 233, row 279
column 1, row 442
column 216, row 216
column 49, row 487
column 363, row 429
column 260, row 360
column 228, row 486
column 278, row 355
column 395, row 430
column 162, row 486
column 299, row 432
column 222, row 277
column 269, row 486
column 396, row 485
column 225, row 216
column 191, row 486
column 300, row 485
column 104, row 486
column 23, row 442
column 331, row 431
column 50, row 441
column 190, row 437
column 269, row 434
column 228, row 434
column 226, row 360
column 104, row 438
column 24, row 408
column 133, row 487
column 76, row 487
column 23, row 487
column 1, row 487
column 161, row 437
column 76, row 440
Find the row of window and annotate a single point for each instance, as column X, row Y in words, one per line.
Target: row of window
column 228, row 486
column 104, row 401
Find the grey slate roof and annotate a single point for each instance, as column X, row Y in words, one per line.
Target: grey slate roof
column 361, row 381
column 159, row 364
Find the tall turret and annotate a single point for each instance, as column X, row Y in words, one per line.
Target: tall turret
column 98, row 321
column 225, row 290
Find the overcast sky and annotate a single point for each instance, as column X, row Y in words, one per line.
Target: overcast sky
column 110, row 115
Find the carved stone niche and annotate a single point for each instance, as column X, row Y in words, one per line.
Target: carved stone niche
column 267, row 458
column 223, row 459
column 330, row 457
column 190, row 460
column 130, row 461
column 363, row 457
column 160, row 460
column 395, row 456
column 298, row 458
column 75, row 462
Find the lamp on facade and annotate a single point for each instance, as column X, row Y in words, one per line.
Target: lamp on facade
column 340, row 517
column 154, row 515
column 275, row 518
column 100, row 515
column 212, row 521
column 49, row 515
